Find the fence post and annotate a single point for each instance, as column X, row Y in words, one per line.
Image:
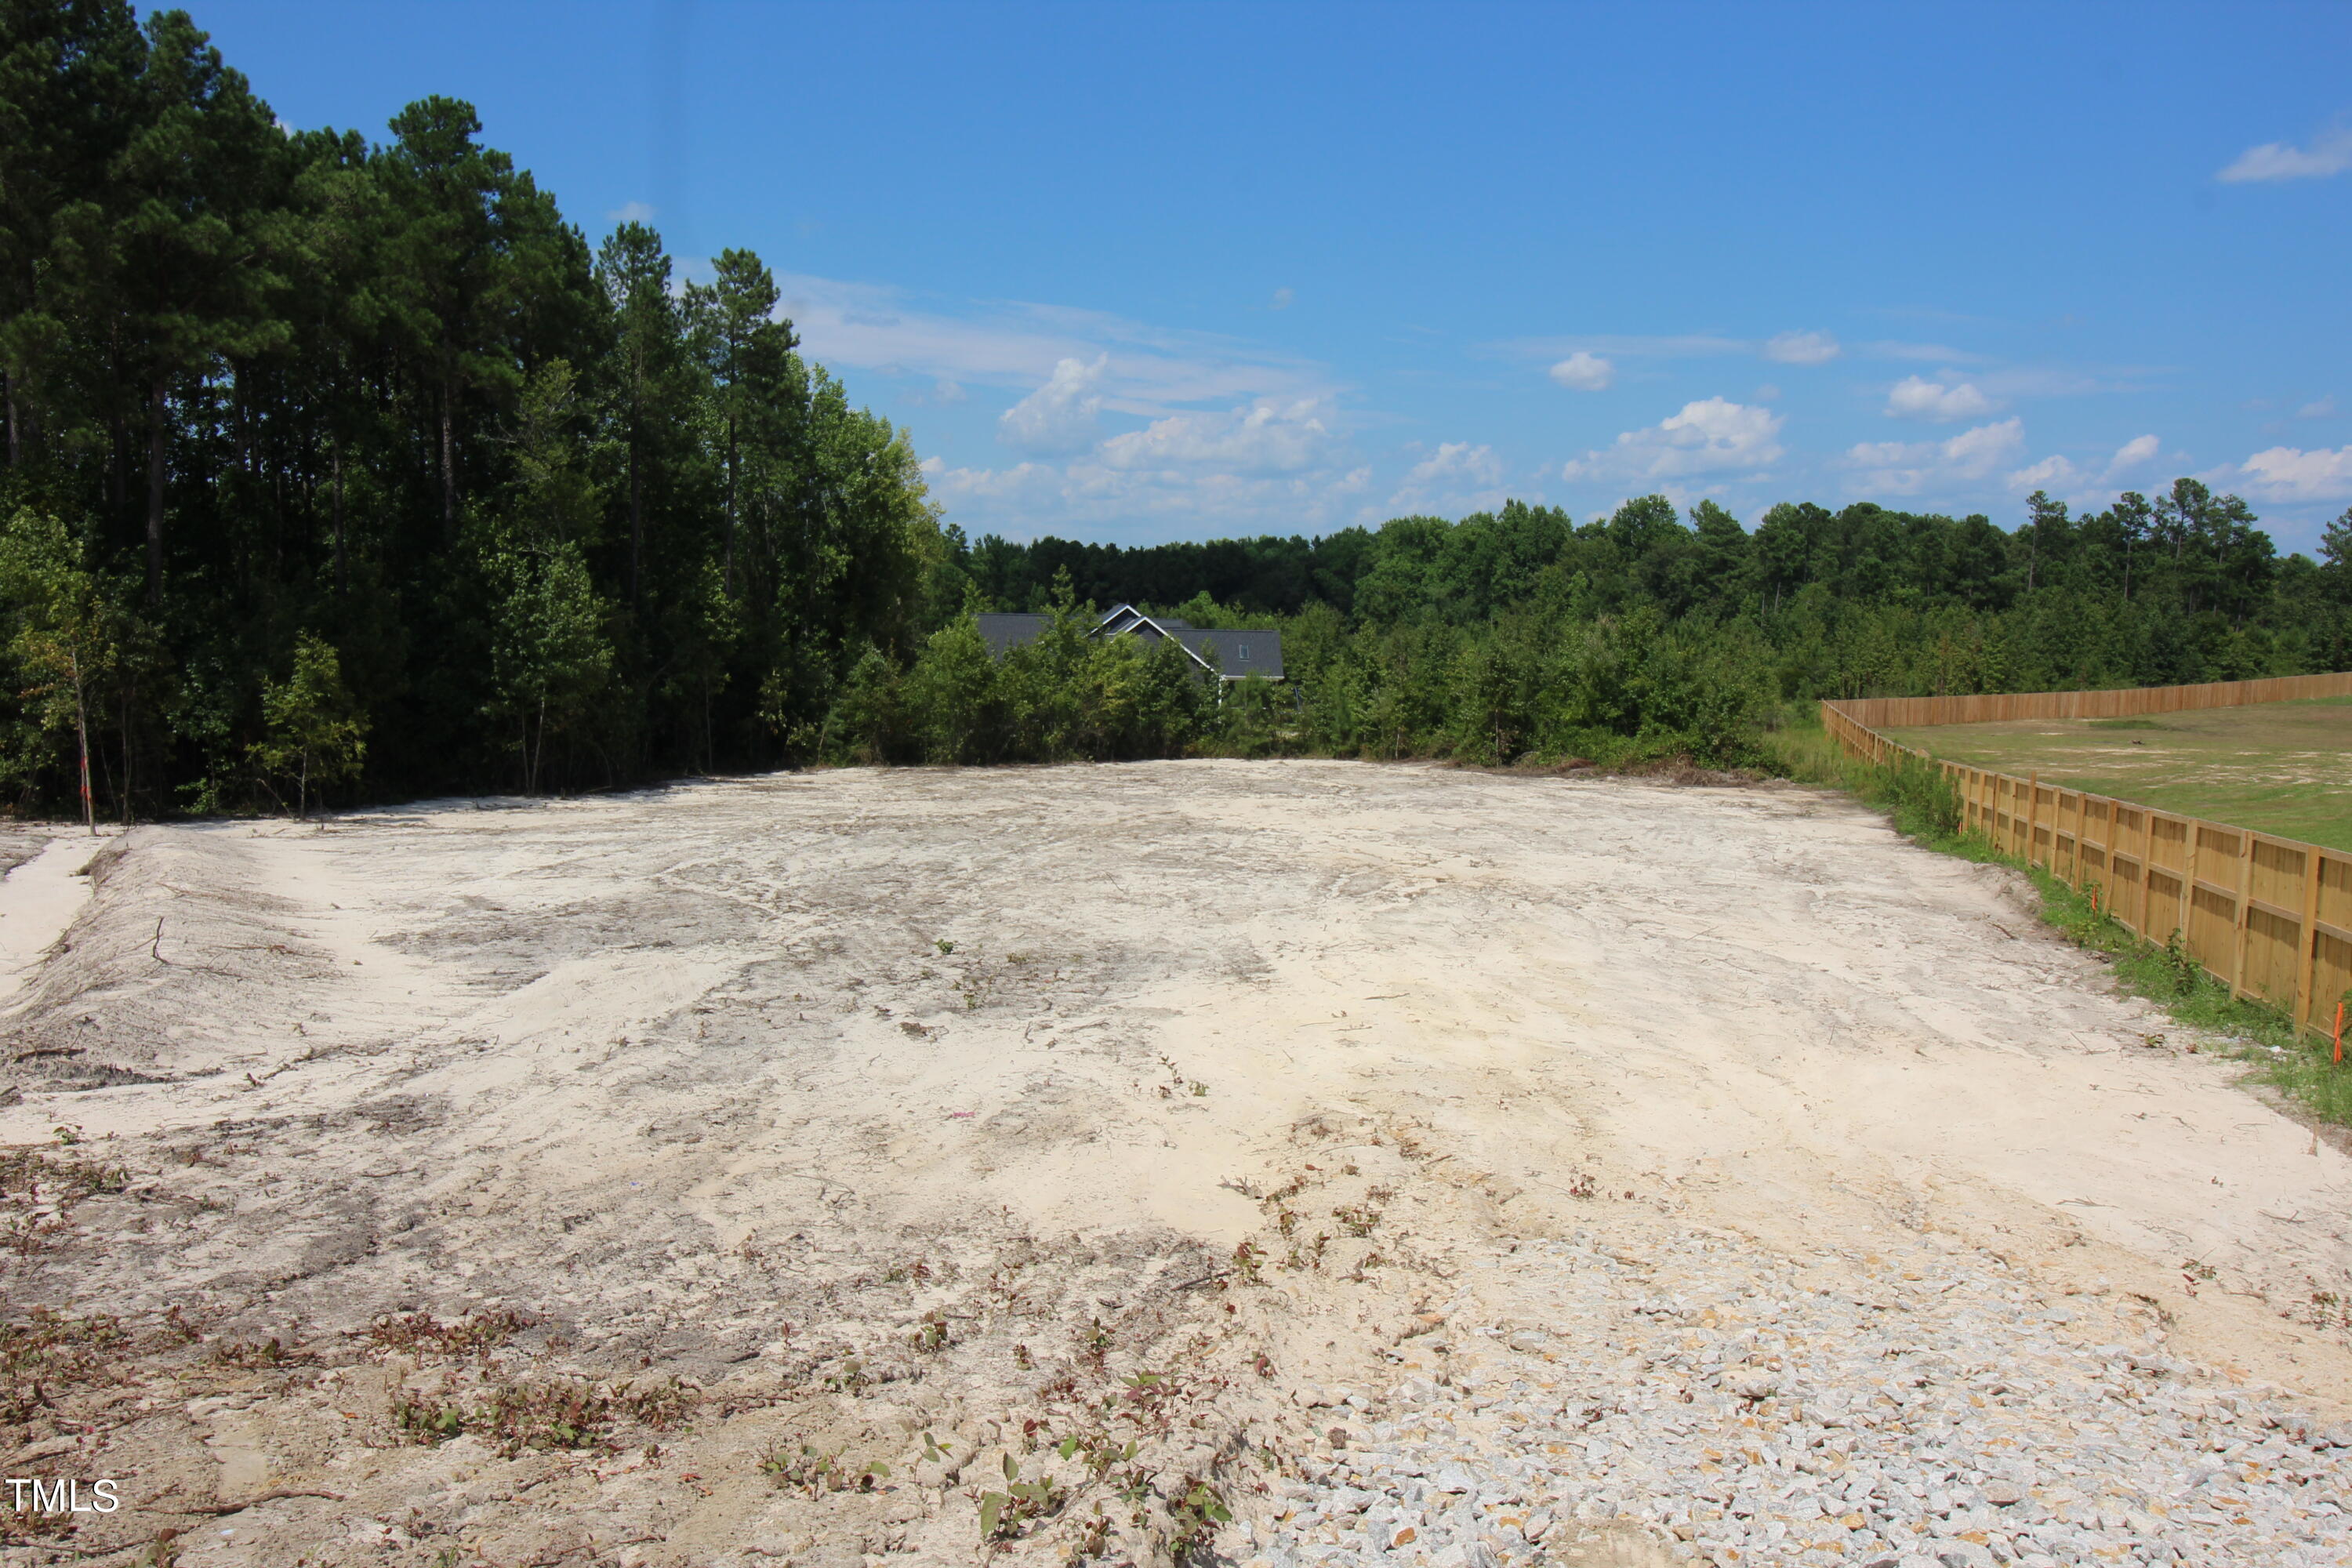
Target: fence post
column 2146, row 851
column 2306, row 958
column 2033, row 814
column 2245, row 925
column 2196, row 842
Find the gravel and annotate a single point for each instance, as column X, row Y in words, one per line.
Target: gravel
column 1709, row 1401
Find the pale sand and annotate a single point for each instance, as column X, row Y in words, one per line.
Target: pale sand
column 670, row 1071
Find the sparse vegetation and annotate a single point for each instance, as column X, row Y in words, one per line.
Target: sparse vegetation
column 543, row 1413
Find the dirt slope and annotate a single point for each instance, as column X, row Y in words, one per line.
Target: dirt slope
column 620, row 1179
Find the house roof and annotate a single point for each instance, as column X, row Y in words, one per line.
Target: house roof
column 1232, row 653
column 1238, row 652
column 1003, row 632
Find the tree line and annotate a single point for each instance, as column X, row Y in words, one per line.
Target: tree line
column 348, row 467
column 333, row 458
column 1651, row 631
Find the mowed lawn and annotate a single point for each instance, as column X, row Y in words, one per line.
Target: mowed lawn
column 2276, row 767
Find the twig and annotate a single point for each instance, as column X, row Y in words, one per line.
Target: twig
column 274, row 1494
column 155, row 948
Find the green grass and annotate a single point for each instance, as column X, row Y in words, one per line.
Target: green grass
column 1925, row 809
column 2277, row 767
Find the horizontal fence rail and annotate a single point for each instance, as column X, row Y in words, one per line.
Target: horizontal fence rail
column 2268, row 917
column 2127, row 702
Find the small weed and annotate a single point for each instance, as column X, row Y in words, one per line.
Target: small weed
column 426, row 1418
column 1096, row 1452
column 262, row 1356
column 813, row 1471
column 931, row 1334
column 1095, row 1539
column 1249, row 1263
column 1195, row 1515
column 1022, row 1359
column 29, row 1235
column 943, row 945
column 1002, row 1514
column 422, row 1334
column 1357, row 1219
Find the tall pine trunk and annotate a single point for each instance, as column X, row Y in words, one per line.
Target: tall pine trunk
column 637, row 511
column 155, row 491
column 448, row 466
column 81, row 733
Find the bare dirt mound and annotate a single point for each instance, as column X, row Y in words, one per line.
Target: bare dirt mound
column 1305, row 1162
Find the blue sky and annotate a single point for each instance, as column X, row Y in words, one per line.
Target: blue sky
column 1139, row 273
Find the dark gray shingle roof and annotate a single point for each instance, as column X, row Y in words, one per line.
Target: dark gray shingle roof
column 1234, row 652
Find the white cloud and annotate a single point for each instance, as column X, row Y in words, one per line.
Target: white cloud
column 2083, row 485
column 1917, row 397
column 1150, row 370
column 1267, row 439
column 2330, row 153
column 1907, row 468
column 2291, row 474
column 1145, row 506
column 1457, row 477
column 2050, row 473
column 631, row 211
column 2318, row 409
column 2134, row 453
column 1802, row 348
column 1282, row 299
column 1457, row 460
column 1979, row 451
column 1713, row 435
column 1584, row 372
column 1060, row 417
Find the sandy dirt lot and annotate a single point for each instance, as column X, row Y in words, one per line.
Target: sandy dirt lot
column 1412, row 1166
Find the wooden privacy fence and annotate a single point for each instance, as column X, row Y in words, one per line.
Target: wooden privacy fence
column 2268, row 917
column 1895, row 712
